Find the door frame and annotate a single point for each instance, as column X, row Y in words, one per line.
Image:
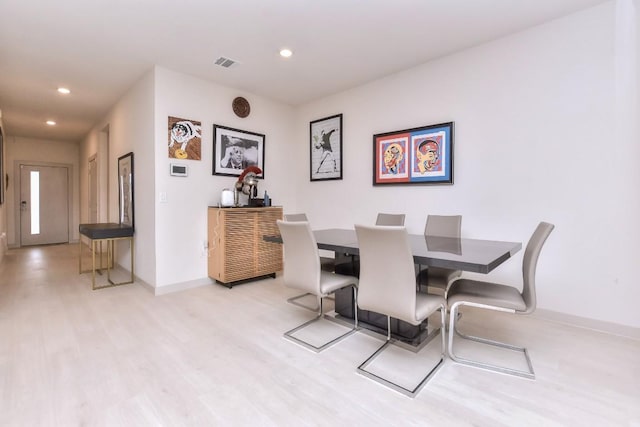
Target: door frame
column 16, row 195
column 93, row 157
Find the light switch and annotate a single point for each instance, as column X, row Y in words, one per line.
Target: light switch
column 163, row 197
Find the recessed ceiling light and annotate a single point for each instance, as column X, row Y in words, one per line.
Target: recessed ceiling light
column 64, row 90
column 286, row 53
column 51, row 123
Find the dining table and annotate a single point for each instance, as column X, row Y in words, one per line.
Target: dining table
column 466, row 254
column 473, row 255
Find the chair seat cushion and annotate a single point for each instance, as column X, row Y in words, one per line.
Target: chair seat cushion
column 487, row 293
column 331, row 282
column 425, row 305
column 438, row 277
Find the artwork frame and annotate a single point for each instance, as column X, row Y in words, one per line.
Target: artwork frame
column 325, row 141
column 235, row 149
column 2, row 177
column 125, row 190
column 421, row 155
column 184, row 137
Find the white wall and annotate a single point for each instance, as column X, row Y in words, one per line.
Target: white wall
column 170, row 237
column 47, row 152
column 131, row 129
column 536, row 138
column 541, row 134
column 3, row 206
column 181, row 222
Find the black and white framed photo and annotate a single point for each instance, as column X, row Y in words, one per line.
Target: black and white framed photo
column 125, row 189
column 235, row 149
column 326, row 148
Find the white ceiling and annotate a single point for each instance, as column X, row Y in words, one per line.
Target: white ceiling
column 99, row 48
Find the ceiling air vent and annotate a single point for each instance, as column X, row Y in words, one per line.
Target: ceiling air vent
column 225, row 62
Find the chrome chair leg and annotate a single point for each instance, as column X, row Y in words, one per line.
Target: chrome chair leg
column 294, row 301
column 389, row 341
column 321, row 315
column 453, row 328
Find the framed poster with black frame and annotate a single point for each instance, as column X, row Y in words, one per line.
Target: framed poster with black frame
column 422, row 155
column 2, row 178
column 125, row 190
column 325, row 137
column 235, row 149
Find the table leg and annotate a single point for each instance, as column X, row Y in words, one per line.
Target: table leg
column 131, row 250
column 109, row 256
column 93, row 264
column 111, row 261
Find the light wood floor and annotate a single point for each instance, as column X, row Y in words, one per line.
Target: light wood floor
column 213, row 356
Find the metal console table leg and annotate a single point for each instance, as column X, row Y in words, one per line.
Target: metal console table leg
column 109, row 233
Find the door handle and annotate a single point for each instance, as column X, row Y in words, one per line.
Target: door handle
column 23, row 205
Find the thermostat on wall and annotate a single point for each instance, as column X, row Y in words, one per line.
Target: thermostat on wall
column 178, row 170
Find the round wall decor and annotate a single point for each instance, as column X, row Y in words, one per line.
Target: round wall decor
column 241, row 107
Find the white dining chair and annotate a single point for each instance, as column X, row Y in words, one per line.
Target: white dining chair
column 388, row 286
column 302, row 271
column 390, row 219
column 436, row 278
column 498, row 297
column 326, row 264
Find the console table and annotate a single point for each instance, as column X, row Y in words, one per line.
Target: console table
column 109, row 233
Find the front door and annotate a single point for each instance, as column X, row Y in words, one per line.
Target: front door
column 44, row 205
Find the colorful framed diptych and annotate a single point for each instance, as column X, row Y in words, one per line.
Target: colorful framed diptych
column 422, row 155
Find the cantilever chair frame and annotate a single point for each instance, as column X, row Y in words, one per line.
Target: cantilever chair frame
column 405, row 273
column 294, row 300
column 397, row 387
column 289, row 334
column 308, row 241
column 453, row 327
column 530, row 260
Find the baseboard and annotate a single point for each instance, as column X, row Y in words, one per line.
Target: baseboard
column 542, row 314
column 168, row 289
column 182, row 286
column 593, row 324
column 144, row 284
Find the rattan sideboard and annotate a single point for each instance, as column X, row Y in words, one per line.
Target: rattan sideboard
column 237, row 250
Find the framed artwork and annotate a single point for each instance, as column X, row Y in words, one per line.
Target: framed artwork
column 2, row 179
column 184, row 139
column 125, row 190
column 326, row 148
column 235, row 149
column 421, row 155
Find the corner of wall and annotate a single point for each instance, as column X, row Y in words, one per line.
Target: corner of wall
column 3, row 245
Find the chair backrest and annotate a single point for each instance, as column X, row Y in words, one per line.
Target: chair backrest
column 443, row 226
column 390, row 219
column 529, row 263
column 301, row 257
column 387, row 282
column 296, row 217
